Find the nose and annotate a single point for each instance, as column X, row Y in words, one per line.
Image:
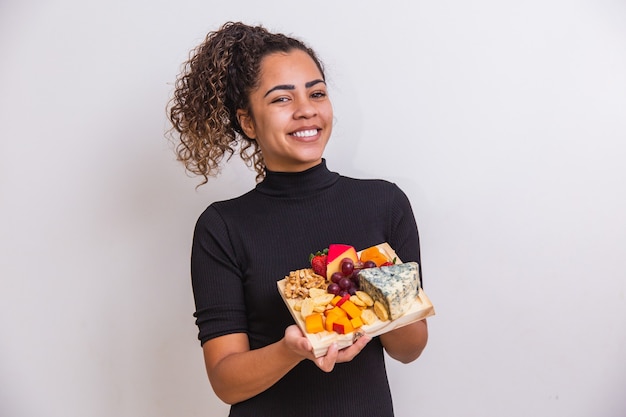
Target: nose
column 305, row 109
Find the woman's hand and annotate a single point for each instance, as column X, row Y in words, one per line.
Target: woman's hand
column 238, row 373
column 297, row 342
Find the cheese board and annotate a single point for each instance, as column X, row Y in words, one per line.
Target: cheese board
column 419, row 309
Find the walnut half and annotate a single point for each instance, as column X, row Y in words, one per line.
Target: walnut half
column 299, row 282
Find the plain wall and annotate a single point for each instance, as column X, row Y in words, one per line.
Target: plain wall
column 504, row 122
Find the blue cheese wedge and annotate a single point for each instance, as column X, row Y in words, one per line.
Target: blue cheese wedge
column 395, row 286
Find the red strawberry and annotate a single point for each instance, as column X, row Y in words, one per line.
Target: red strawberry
column 390, row 263
column 318, row 262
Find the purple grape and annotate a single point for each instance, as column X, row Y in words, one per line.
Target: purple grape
column 333, row 288
column 347, row 266
column 352, row 290
column 344, row 283
column 369, row 264
column 335, row 277
column 355, row 279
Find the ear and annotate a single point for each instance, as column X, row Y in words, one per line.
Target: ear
column 246, row 123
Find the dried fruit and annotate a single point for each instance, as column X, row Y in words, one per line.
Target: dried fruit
column 373, row 254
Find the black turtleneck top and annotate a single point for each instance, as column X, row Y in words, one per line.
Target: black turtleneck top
column 242, row 246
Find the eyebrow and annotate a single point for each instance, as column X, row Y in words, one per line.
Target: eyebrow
column 308, row 84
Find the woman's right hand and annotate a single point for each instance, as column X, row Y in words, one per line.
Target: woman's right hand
column 298, row 343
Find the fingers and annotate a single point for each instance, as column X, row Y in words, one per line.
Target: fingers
column 296, row 340
column 347, row 354
column 327, row 362
column 300, row 344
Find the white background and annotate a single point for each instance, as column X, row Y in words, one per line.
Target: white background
column 504, row 122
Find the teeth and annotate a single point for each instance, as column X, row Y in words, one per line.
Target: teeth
column 305, row 133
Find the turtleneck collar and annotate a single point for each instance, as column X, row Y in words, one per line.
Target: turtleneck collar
column 295, row 184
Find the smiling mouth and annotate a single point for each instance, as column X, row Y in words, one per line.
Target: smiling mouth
column 305, row 133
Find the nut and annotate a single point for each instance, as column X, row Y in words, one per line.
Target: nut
column 299, row 283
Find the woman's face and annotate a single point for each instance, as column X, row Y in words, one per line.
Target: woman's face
column 290, row 113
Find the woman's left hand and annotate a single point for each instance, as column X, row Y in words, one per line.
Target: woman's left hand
column 334, row 355
column 298, row 342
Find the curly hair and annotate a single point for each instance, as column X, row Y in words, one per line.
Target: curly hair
column 214, row 83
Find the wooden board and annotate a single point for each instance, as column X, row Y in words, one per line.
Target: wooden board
column 420, row 309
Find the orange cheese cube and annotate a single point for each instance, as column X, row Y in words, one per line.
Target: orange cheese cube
column 356, row 322
column 336, row 310
column 339, row 300
column 351, row 308
column 335, row 300
column 330, row 321
column 314, row 323
column 332, row 315
column 342, row 325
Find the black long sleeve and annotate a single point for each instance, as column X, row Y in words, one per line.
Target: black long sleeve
column 243, row 246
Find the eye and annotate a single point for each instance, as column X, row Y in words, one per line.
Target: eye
column 281, row 99
column 319, row 94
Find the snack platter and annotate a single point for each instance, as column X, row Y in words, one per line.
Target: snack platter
column 420, row 309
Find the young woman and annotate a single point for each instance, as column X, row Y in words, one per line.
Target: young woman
column 264, row 95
